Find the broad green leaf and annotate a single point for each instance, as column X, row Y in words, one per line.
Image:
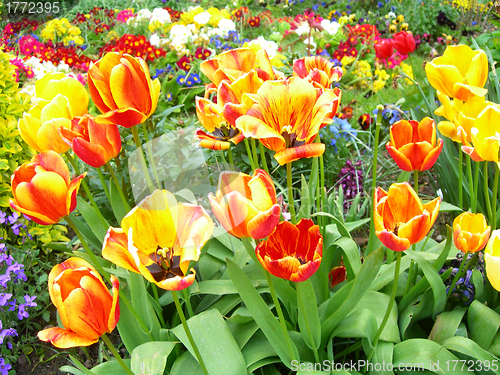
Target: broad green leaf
column 261, row 313
column 257, row 349
column 94, row 220
column 309, row 324
column 352, row 258
column 361, row 323
column 334, row 310
column 438, row 288
column 483, row 324
column 468, row 347
column 186, row 364
column 305, row 201
column 151, row 358
column 425, row 354
column 383, row 354
column 446, row 325
column 110, row 367
column 116, row 203
column 216, row 344
column 86, row 232
column 242, row 332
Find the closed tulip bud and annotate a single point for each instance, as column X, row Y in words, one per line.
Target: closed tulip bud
column 470, row 232
column 404, row 42
column 95, row 143
column 86, row 308
column 384, row 49
column 121, row 88
column 42, row 188
column 246, row 205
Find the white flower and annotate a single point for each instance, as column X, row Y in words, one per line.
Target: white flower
column 330, row 27
column 180, row 34
column 303, row 29
column 270, row 46
column 143, row 14
column 155, row 40
column 226, row 26
column 202, row 18
column 192, row 27
column 310, row 41
column 391, row 15
column 161, row 15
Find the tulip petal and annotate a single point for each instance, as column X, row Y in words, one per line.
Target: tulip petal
column 288, row 155
column 64, row 339
column 177, row 283
column 92, row 154
column 114, row 315
column 48, row 137
column 401, row 160
column 431, row 158
column 115, row 249
column 28, row 128
column 416, row 228
column 399, row 193
column 393, row 242
column 477, row 72
column 126, row 117
column 211, row 142
column 264, row 223
column 72, row 192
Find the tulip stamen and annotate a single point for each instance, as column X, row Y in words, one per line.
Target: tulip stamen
column 225, row 132
column 166, row 265
column 290, row 137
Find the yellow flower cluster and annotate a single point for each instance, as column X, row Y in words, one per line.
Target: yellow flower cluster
column 407, row 69
column 215, row 16
column 382, row 78
column 472, row 4
column 61, row 30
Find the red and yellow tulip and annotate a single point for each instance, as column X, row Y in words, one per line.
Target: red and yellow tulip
column 400, row 218
column 42, row 188
column 470, row 232
column 460, row 73
column 86, row 308
column 246, row 205
column 292, row 252
column 158, row 239
column 58, row 100
column 93, row 142
column 287, row 117
column 317, row 70
column 121, row 88
column 413, row 144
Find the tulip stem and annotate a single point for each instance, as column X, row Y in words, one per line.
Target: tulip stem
column 263, row 157
column 118, row 187
column 230, row 156
column 457, row 276
column 322, row 186
column 150, row 155
column 254, row 153
column 250, row 249
column 486, row 190
column 494, row 202
column 280, row 313
column 415, row 181
column 116, row 355
column 157, row 299
column 249, row 153
column 137, row 141
column 187, row 300
column 89, row 252
column 300, row 300
column 471, row 186
column 291, row 206
column 87, row 190
column 476, row 181
column 460, row 168
column 389, row 307
column 188, row 332
column 103, row 183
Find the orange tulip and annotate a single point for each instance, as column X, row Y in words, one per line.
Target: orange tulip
column 246, row 205
column 287, row 117
column 158, row 239
column 86, row 308
column 94, row 143
column 413, row 144
column 317, row 70
column 121, row 88
column 292, row 252
column 42, row 188
column 470, row 232
column 400, row 218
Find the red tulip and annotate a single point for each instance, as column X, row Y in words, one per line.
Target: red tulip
column 404, row 42
column 384, row 49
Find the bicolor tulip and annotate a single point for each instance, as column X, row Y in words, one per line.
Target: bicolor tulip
column 246, row 206
column 470, row 232
column 86, row 308
column 461, row 116
column 485, row 135
column 400, row 218
column 413, row 144
column 492, row 259
column 158, row 239
column 460, row 73
column 404, row 42
column 287, row 117
column 95, row 143
column 292, row 252
column 42, row 188
column 122, row 89
column 337, row 275
column 384, row 49
column 219, row 118
column 317, row 70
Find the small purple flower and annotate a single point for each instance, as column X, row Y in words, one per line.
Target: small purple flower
column 4, row 367
column 4, row 279
column 22, row 313
column 13, row 218
column 3, row 216
column 29, row 300
column 9, row 345
column 15, row 228
column 12, row 305
column 4, row 297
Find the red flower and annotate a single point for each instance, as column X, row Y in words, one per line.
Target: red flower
column 254, row 21
column 404, row 42
column 384, row 49
column 365, row 121
column 184, row 63
column 292, row 252
column 337, row 275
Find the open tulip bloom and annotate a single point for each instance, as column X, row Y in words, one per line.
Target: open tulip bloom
column 492, row 259
column 86, row 308
column 158, row 239
column 317, row 70
column 400, row 218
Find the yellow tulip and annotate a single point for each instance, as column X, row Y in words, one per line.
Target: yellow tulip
column 460, row 73
column 485, row 135
column 492, row 259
